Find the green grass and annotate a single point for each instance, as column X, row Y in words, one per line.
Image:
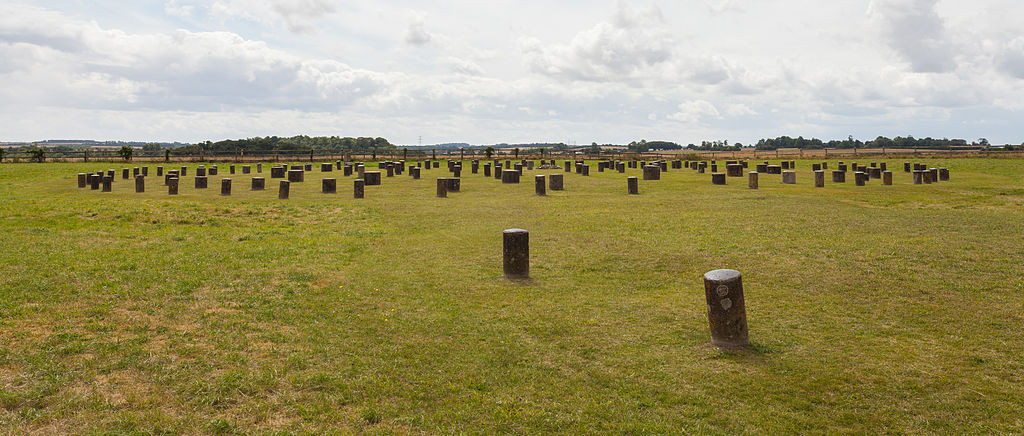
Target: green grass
column 877, row 309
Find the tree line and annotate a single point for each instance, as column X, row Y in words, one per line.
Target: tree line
column 295, row 143
column 879, row 142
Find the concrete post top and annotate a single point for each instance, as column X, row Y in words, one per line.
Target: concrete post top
column 515, row 231
column 721, row 275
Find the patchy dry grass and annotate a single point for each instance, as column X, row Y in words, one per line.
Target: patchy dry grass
column 874, row 309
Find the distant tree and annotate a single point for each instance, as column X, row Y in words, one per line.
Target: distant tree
column 983, row 142
column 125, row 152
column 541, row 152
column 462, row 153
column 154, row 147
column 405, row 153
column 489, row 151
column 516, row 151
column 167, row 155
column 433, row 154
column 594, row 148
column 38, row 154
column 374, row 153
column 2, row 153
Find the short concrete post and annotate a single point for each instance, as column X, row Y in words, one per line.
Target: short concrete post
column 282, row 191
column 201, row 182
column 752, row 179
column 172, row 186
column 159, row 171
column 717, row 178
column 231, row 169
column 442, row 187
column 918, row 177
column 838, row 176
column 789, row 177
column 819, row 179
column 107, row 182
column 329, row 186
column 633, row 185
column 140, row 183
column 225, row 187
column 516, row 253
column 82, row 179
column 358, row 188
column 556, row 182
column 887, row 178
column 258, row 184
column 944, row 174
column 860, row 178
column 540, row 185
column 124, row 173
column 727, row 316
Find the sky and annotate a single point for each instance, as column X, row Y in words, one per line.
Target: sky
column 505, row 71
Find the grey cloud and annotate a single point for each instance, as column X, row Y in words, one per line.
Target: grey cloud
column 1010, row 59
column 916, row 32
column 417, row 33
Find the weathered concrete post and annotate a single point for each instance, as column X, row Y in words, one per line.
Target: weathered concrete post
column 442, row 187
column 358, row 188
column 225, row 187
column 140, row 183
column 727, row 317
column 258, row 184
column 819, row 179
column 172, row 186
column 509, row 176
column 415, row 172
column 887, row 178
column 296, row 176
column 556, row 182
column 454, row 184
column 282, row 191
column 860, row 178
column 838, row 176
column 918, row 177
column 329, row 186
column 944, row 174
column 159, row 171
column 633, row 185
column 124, row 173
column 789, row 177
column 201, row 182
column 516, row 251
column 540, row 184
column 652, row 172
column 82, row 179
column 487, row 169
column 752, row 179
column 107, row 181
column 145, row 171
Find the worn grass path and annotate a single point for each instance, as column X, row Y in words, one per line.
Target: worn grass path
column 892, row 309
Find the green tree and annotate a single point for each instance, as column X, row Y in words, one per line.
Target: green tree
column 125, row 152
column 405, row 153
column 374, row 153
column 516, row 151
column 433, row 154
column 2, row 152
column 167, row 155
column 155, row 147
column 38, row 154
column 489, row 151
column 594, row 148
column 542, row 153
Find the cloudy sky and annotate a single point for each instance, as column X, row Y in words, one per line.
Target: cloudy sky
column 511, row 70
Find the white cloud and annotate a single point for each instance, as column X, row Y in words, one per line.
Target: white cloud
column 298, row 16
column 694, row 111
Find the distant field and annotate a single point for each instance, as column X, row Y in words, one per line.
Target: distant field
column 877, row 309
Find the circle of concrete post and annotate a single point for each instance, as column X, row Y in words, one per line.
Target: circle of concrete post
column 727, row 317
column 516, row 253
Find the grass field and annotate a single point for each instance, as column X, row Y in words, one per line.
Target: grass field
column 877, row 309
